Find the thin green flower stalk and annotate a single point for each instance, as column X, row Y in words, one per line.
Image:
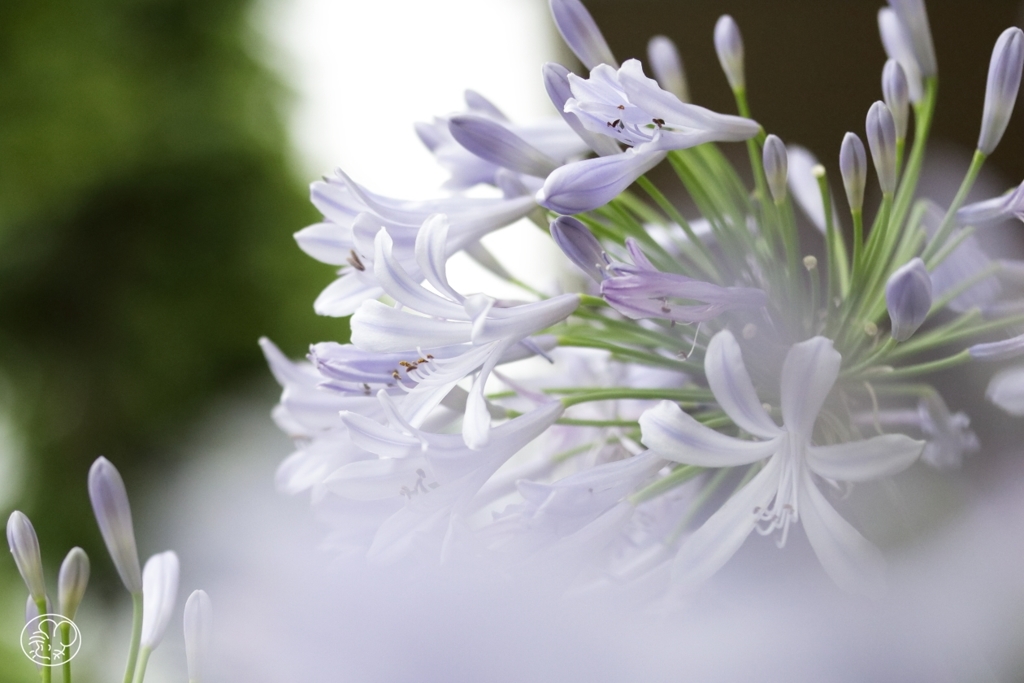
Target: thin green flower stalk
column 694, row 351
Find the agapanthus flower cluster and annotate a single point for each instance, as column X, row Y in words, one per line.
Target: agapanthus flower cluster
column 720, row 366
column 153, row 587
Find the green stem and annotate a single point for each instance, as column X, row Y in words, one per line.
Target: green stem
column 677, row 477
column 949, row 221
column 922, row 368
column 133, row 649
column 687, row 395
column 707, row 261
column 140, row 671
column 923, row 114
column 65, row 638
column 45, row 671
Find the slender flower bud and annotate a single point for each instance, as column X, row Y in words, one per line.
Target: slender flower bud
column 776, row 167
column 896, row 94
column 198, row 633
column 729, row 46
column 71, row 583
column 581, row 33
column 24, row 544
column 1004, row 71
column 882, row 141
column 908, row 296
column 898, row 46
column 159, row 592
column 114, row 516
column 668, row 67
column 1000, row 350
column 585, row 185
column 579, row 244
column 493, row 142
column 914, row 17
column 853, row 165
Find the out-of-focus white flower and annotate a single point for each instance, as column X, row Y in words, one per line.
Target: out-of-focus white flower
column 198, row 625
column 159, row 594
column 783, row 492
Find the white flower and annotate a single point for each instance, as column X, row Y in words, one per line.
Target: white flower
column 783, row 492
column 159, row 593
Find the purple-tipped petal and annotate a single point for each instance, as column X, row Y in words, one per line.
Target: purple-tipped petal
column 492, row 141
column 908, row 297
column 586, row 185
column 581, row 33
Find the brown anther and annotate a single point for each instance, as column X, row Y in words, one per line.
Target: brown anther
column 429, row 357
column 659, row 122
column 613, row 124
column 353, row 259
column 621, row 107
column 404, row 363
column 394, row 373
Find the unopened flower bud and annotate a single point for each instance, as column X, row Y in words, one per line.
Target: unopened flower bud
column 898, row 46
column 71, row 583
column 810, row 262
column 585, row 185
column 114, row 516
column 776, row 167
column 853, row 165
column 908, row 296
column 24, row 544
column 896, row 94
column 491, row 141
column 668, row 67
column 729, row 46
column 581, row 33
column 579, row 244
column 159, row 592
column 881, row 131
column 198, row 633
column 914, row 17
column 1004, row 71
column 999, row 350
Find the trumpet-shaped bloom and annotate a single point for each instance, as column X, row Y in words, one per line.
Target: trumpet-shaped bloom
column 784, row 491
column 642, row 291
column 484, row 327
column 995, row 210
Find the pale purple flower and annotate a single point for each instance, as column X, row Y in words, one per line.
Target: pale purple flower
column 585, row 185
column 1006, row 390
column 556, row 82
column 443, row 317
column 1004, row 72
column 896, row 94
column 898, row 46
column 354, row 215
column 776, row 166
column 642, row 291
column 24, row 546
column 995, row 210
column 663, row 56
column 853, row 165
column 423, row 478
column 634, row 109
column 493, row 142
column 729, row 46
column 114, row 517
column 881, row 130
column 579, row 244
column 949, row 436
column 72, row 581
column 784, row 491
column 581, row 33
column 914, row 18
column 998, row 350
column 908, row 298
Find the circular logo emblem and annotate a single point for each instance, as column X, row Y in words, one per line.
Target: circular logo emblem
column 50, row 640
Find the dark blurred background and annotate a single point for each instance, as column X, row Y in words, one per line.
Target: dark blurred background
column 147, row 203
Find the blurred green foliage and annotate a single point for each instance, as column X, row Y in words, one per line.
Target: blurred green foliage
column 146, row 213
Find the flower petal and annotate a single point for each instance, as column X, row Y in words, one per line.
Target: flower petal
column 723, row 533
column 676, row 436
column 808, row 374
column 849, row 559
column 729, row 381
column 873, row 458
column 432, row 254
